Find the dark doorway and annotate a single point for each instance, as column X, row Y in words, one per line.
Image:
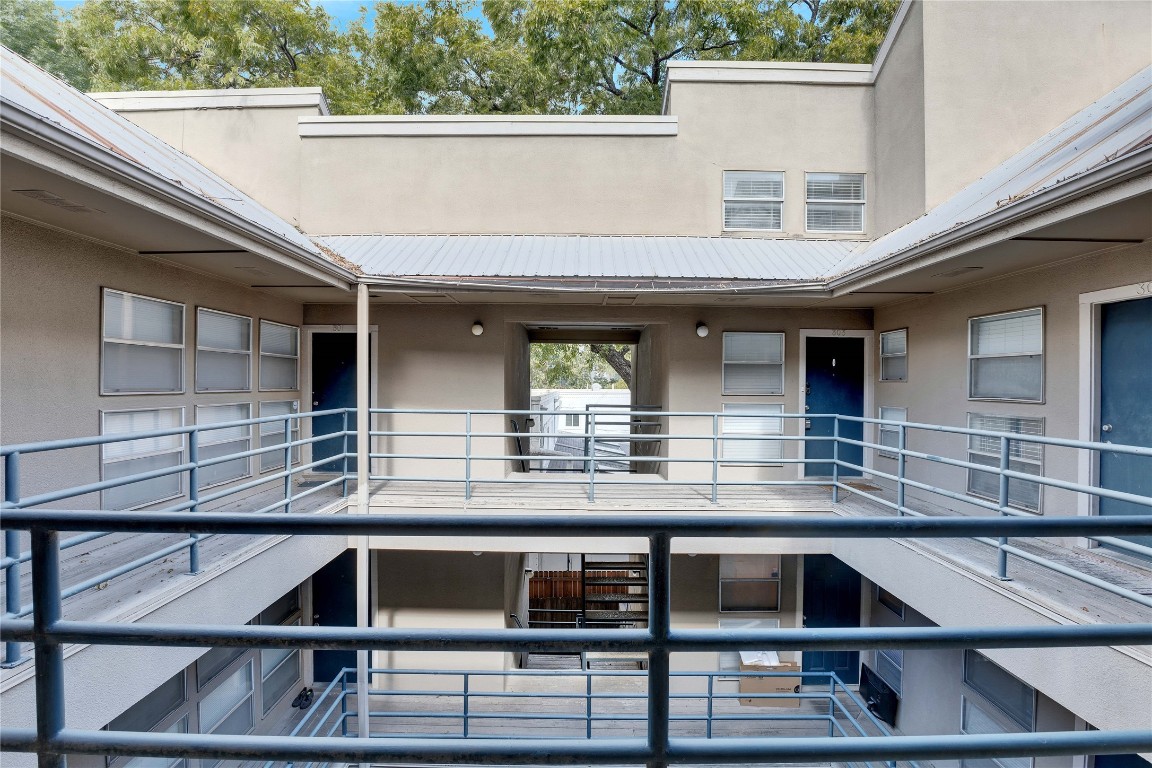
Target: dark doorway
column 1125, row 418
column 834, row 371
column 334, row 605
column 831, row 599
column 333, row 386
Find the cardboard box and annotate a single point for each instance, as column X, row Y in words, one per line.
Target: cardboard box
column 771, row 684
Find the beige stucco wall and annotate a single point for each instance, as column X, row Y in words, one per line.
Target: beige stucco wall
column 51, row 319
column 998, row 75
column 936, row 390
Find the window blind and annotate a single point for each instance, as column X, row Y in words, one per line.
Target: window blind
column 753, row 419
column 134, row 457
column 215, row 443
column 753, row 199
column 142, row 349
column 279, row 356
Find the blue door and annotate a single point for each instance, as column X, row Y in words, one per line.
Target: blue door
column 334, row 605
column 831, row 599
column 835, row 384
column 1125, row 413
column 333, row 386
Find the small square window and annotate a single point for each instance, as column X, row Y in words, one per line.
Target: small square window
column 894, row 355
column 279, row 356
column 889, row 434
column 890, row 601
column 834, row 202
column 134, row 457
column 1006, row 356
column 142, row 351
column 223, row 352
column 747, row 421
column 272, row 432
column 753, row 200
column 224, row 441
column 1023, row 456
column 753, row 364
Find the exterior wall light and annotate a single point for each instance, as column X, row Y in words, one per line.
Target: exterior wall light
column 701, row 330
column 477, row 328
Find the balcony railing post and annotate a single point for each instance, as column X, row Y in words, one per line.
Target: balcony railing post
column 660, row 622
column 466, row 702
column 287, row 464
column 592, row 456
column 12, row 552
column 194, row 496
column 711, row 706
column 835, row 459
column 901, row 444
column 715, row 464
column 344, row 702
column 468, row 455
column 49, row 652
column 344, row 463
column 1002, row 553
column 588, row 704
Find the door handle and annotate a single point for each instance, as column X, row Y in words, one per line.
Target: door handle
column 807, row 423
column 1105, row 427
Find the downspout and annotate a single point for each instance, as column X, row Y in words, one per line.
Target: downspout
column 363, row 613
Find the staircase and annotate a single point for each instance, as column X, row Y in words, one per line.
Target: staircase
column 614, row 592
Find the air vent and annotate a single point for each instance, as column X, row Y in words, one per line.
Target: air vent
column 957, row 272
column 51, row 198
column 619, row 301
column 431, row 298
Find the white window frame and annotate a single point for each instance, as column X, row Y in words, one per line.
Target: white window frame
column 104, row 462
column 729, row 661
column 246, row 661
column 105, row 340
column 773, row 425
column 572, row 420
column 245, row 353
column 886, row 412
column 974, row 356
column 276, row 428
column 735, row 562
column 293, row 619
column 988, row 695
column 1019, row 453
column 205, row 439
column 296, row 384
column 890, row 667
column 725, row 362
column 890, row 355
column 862, row 202
column 726, row 200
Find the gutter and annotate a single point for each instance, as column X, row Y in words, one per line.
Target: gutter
column 640, row 285
column 44, row 133
column 1107, row 174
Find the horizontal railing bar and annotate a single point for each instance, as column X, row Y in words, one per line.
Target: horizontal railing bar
column 1078, row 575
column 588, row 752
column 1123, row 544
column 590, row 524
column 633, row 640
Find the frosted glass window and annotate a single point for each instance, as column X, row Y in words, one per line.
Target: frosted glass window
column 747, row 420
column 215, row 443
column 134, row 457
column 753, row 200
column 749, row 583
column 180, row 726
column 1011, row 695
column 223, row 352
column 142, row 348
column 1022, row 457
column 834, row 202
column 279, row 356
column 272, row 433
column 753, row 364
column 219, row 709
column 894, row 355
column 889, row 434
column 1006, row 356
column 729, row 661
column 147, row 713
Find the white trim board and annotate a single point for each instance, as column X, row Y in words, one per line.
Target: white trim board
column 869, row 383
column 226, row 98
column 486, row 125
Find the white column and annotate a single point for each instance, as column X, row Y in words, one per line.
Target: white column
column 363, row 614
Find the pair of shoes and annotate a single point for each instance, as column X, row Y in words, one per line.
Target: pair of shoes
column 303, row 699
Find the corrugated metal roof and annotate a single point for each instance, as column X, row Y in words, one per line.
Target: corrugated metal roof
column 25, row 86
column 1108, row 129
column 591, row 256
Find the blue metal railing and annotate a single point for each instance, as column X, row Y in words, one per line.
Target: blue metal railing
column 52, row 739
column 15, row 557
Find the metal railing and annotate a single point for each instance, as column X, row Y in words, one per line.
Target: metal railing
column 51, row 739
column 189, row 471
column 468, row 707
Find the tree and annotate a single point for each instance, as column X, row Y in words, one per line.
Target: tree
column 32, row 29
column 579, row 366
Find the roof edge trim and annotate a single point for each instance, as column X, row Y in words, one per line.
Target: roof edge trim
column 486, row 125
column 223, row 98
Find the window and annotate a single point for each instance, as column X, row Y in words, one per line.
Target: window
column 134, row 457
column 223, row 352
column 729, row 661
column 279, row 356
column 749, row 583
column 215, row 443
column 835, row 202
column 978, row 718
column 890, row 601
column 894, row 355
column 753, row 200
column 228, row 708
column 753, row 419
column 213, row 663
column 272, row 433
column 889, row 434
column 753, row 364
column 279, row 667
column 150, row 711
column 890, row 667
column 1022, row 457
column 1008, row 693
column 142, row 351
column 571, row 420
column 1006, row 356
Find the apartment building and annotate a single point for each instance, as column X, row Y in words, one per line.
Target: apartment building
column 850, row 291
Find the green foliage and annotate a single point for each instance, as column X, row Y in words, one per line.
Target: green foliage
column 575, row 366
column 32, row 28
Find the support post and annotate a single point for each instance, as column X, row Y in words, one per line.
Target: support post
column 49, row 652
column 363, row 572
column 711, row 707
column 466, row 703
column 901, row 444
column 588, row 703
column 660, row 622
column 12, row 552
column 715, row 477
column 835, row 459
column 287, row 464
column 344, row 466
column 194, row 496
column 1002, row 554
column 592, row 456
column 468, row 456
